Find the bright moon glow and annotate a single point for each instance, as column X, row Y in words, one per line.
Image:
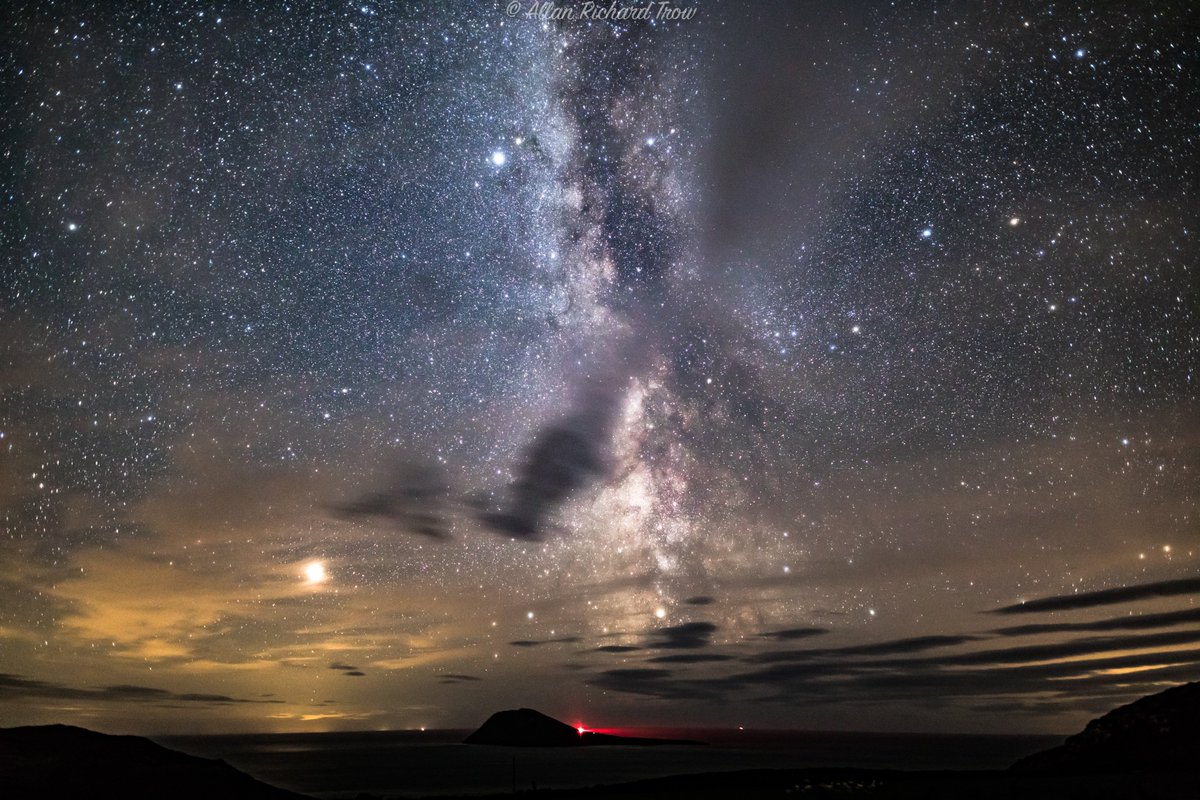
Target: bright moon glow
column 315, row 572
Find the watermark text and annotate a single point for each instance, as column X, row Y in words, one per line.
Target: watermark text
column 592, row 11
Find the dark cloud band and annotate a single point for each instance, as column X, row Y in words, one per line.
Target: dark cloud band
column 1105, row 597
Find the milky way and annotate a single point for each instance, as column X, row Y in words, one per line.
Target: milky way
column 372, row 366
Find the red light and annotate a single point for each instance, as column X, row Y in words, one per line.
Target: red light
column 581, row 730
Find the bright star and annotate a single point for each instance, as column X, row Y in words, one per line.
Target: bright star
column 314, row 571
column 498, row 158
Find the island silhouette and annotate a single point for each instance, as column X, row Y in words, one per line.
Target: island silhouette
column 525, row 727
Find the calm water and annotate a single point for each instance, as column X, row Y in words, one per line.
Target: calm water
column 434, row 762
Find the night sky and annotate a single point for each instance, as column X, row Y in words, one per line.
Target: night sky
column 812, row 365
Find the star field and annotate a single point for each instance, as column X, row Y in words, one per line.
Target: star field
column 382, row 366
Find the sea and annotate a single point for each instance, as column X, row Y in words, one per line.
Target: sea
column 435, row 762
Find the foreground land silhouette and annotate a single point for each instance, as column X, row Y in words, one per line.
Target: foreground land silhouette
column 62, row 761
column 1147, row 749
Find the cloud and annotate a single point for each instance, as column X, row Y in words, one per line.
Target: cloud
column 539, row 643
column 1088, row 672
column 414, row 499
column 1105, row 597
column 354, row 673
column 1003, row 655
column 16, row 687
column 336, row 665
column 1117, row 623
column 911, row 645
column 794, row 633
column 656, row 683
column 922, row 680
column 562, row 458
column 1075, row 647
column 638, row 674
column 1032, row 669
column 700, row 600
column 455, row 678
column 634, row 681
column 688, row 636
column 689, row 658
column 928, row 681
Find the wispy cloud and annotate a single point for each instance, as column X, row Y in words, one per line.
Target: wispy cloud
column 1139, row 622
column 1105, row 597
column 16, row 687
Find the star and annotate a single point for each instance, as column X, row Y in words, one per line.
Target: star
column 314, row 572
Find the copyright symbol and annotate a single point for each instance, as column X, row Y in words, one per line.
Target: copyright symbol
column 513, row 8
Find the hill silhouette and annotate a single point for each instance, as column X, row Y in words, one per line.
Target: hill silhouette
column 65, row 761
column 1158, row 732
column 524, row 727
